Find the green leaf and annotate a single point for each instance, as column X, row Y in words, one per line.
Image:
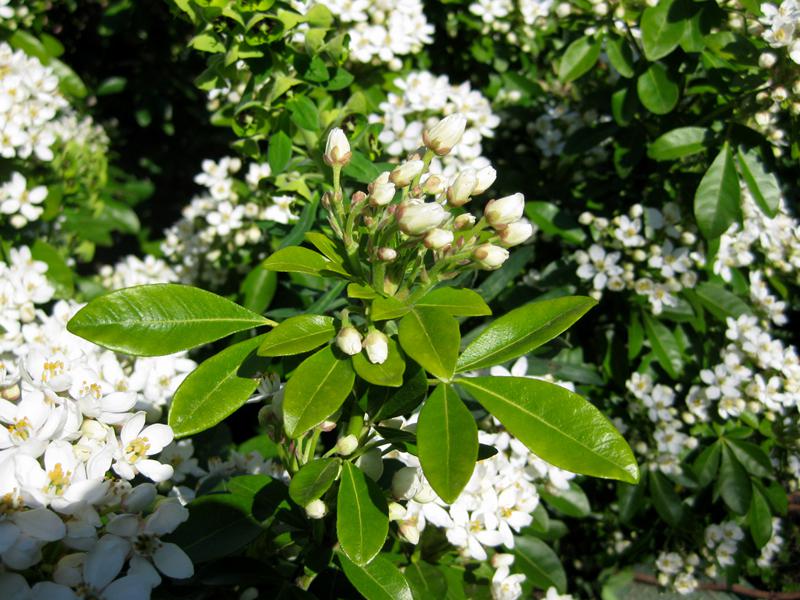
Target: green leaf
column 296, row 259
column 762, row 184
column 657, row 90
column 386, row 403
column 297, row 335
column 760, row 519
column 317, row 388
column 313, row 480
column 706, row 465
column 664, row 345
column 680, row 142
column 667, row 502
column 384, row 309
column 720, row 302
column 630, row 499
column 160, row 319
column 660, row 33
column 58, row 272
column 431, row 337
column 752, row 457
column 361, row 168
column 214, row 390
column 325, row 245
column 303, row 113
column 279, row 151
column 573, row 501
column 259, row 288
column 580, row 56
column 447, row 442
column 557, row 425
column 362, row 517
column 733, row 483
column 379, row 580
column 717, row 200
column 457, row 302
column 426, row 581
column 620, row 56
column 539, row 563
column 389, row 373
column 522, row 330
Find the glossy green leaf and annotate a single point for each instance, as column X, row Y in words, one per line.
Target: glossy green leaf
column 426, row 581
column 458, row 302
column 297, row 335
column 160, row 319
column 325, row 245
column 661, row 30
column 362, row 517
column 522, row 330
column 580, row 56
column 557, row 425
column 620, row 56
column 214, row 390
column 303, row 112
column 316, row 390
column 431, row 337
column 447, row 442
column 667, row 502
column 657, row 91
column 389, row 373
column 313, row 480
column 379, row 580
column 539, row 563
column 384, row 309
column 717, row 199
column 259, row 288
column 664, row 345
column 279, row 152
column 733, row 483
column 386, row 403
column 754, row 460
column 762, row 184
column 573, row 501
column 706, row 465
column 720, row 302
column 296, row 259
column 630, row 499
column 680, row 142
column 760, row 519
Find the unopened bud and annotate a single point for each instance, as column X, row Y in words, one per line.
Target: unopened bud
column 387, row 254
column 445, row 134
column 436, row 239
column 327, row 426
column 505, row 210
column 458, row 194
column 349, row 340
column 490, row 256
column 326, row 200
column 371, row 462
column 11, row 393
column 382, row 194
column 516, row 233
column 486, row 177
column 357, row 198
column 464, row 221
column 337, row 149
column 433, row 185
column 376, row 345
column 346, row 445
column 405, row 173
column 405, row 483
column 419, row 217
column 316, row 509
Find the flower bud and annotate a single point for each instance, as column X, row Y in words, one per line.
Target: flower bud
column 357, row 198
column 316, row 509
column 326, row 200
column 458, row 194
column 381, row 193
column 337, row 149
column 486, row 177
column 436, row 239
column 349, row 340
column 445, row 134
column 405, row 173
column 433, row 185
column 516, row 233
column 464, row 221
column 505, row 210
column 371, row 462
column 490, row 256
column 377, row 346
column 387, row 254
column 396, row 511
column 346, row 445
column 327, row 426
column 11, row 393
column 425, row 493
column 416, row 218
column 405, row 483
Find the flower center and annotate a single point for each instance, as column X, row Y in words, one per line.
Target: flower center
column 59, row 480
column 21, row 429
column 137, row 449
column 52, row 369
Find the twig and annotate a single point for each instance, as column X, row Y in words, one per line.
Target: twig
column 722, row 587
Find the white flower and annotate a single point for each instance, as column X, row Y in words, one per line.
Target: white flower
column 348, row 340
column 416, row 218
column 137, row 443
column 444, row 135
column 376, row 346
column 337, row 148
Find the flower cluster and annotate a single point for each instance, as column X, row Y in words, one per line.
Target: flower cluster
column 380, row 31
column 226, row 223
column 71, row 415
column 421, row 99
column 649, row 251
column 773, row 547
column 678, row 572
column 132, row 270
column 781, row 26
column 514, row 19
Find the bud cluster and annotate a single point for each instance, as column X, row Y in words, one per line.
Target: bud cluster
column 411, row 229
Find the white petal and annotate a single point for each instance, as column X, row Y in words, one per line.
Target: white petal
column 8, row 535
column 173, row 562
column 141, row 567
column 13, row 585
column 130, row 431
column 166, row 518
column 123, row 525
column 40, row 524
column 105, row 561
column 129, row 587
column 47, row 590
column 158, row 436
column 152, row 469
column 119, row 402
